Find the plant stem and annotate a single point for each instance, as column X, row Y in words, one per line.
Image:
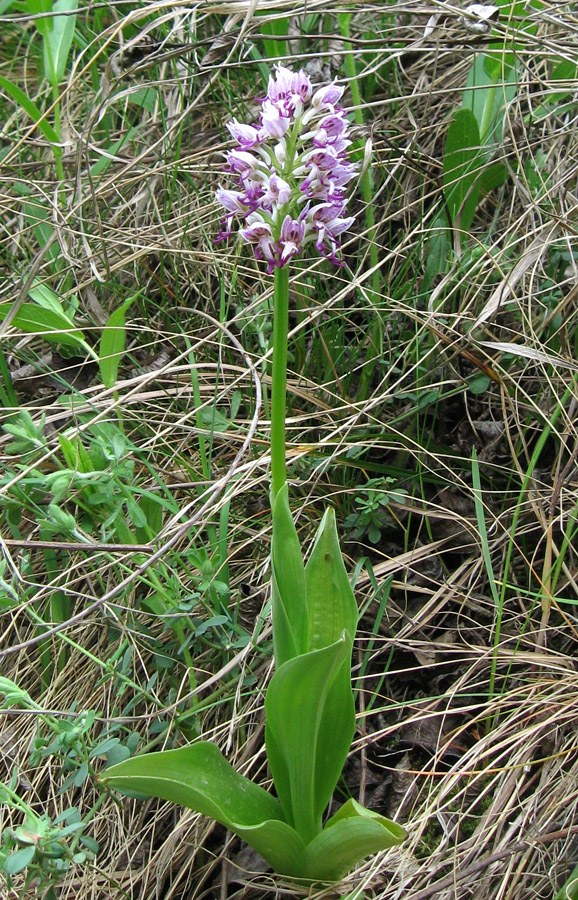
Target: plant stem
column 279, row 378
column 57, row 150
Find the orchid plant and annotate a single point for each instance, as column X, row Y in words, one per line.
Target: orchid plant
column 289, row 171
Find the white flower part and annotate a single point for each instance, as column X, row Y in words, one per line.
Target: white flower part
column 327, row 96
column 273, row 124
column 246, row 135
column 277, row 192
column 281, row 153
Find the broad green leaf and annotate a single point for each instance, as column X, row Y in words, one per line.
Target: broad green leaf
column 288, row 584
column 332, row 610
column 492, row 176
column 58, row 40
column 45, row 297
column 295, row 705
column 279, row 28
column 52, row 326
column 34, row 8
column 112, row 344
column 353, row 833
column 437, row 251
column 16, row 862
column 200, row 778
column 331, row 606
column 29, row 108
column 491, row 85
column 462, row 160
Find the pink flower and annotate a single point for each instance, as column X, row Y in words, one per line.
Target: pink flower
column 259, row 233
column 246, row 135
column 328, row 96
column 291, row 239
column 273, row 124
column 241, row 161
column 277, row 193
column 290, row 171
column 233, row 201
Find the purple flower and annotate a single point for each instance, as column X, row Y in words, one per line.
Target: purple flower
column 289, row 172
column 246, row 135
column 291, row 239
column 273, row 122
column 328, row 96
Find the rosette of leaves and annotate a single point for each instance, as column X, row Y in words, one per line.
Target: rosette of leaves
column 310, row 723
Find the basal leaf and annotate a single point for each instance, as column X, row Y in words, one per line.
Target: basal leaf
column 352, row 834
column 200, row 778
column 295, row 705
column 462, row 161
column 288, row 589
column 112, row 344
column 36, row 8
column 52, row 326
column 58, row 40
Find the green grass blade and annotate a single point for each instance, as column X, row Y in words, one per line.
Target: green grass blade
column 30, row 108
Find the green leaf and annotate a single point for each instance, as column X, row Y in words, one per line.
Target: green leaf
column 295, row 707
column 491, row 85
column 437, row 251
column 479, row 384
column 37, row 215
column 353, row 833
column 288, row 584
column 462, row 160
column 58, row 40
column 29, row 107
column 331, row 606
column 492, row 176
column 52, row 326
column 19, row 860
column 36, row 7
column 200, row 778
column 332, row 610
column 112, row 344
column 75, row 454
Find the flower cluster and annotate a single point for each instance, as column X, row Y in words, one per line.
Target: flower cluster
column 290, row 171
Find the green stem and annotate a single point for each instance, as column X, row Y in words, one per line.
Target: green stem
column 279, row 379
column 57, row 150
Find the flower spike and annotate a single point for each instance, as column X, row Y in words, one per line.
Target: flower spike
column 289, row 172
